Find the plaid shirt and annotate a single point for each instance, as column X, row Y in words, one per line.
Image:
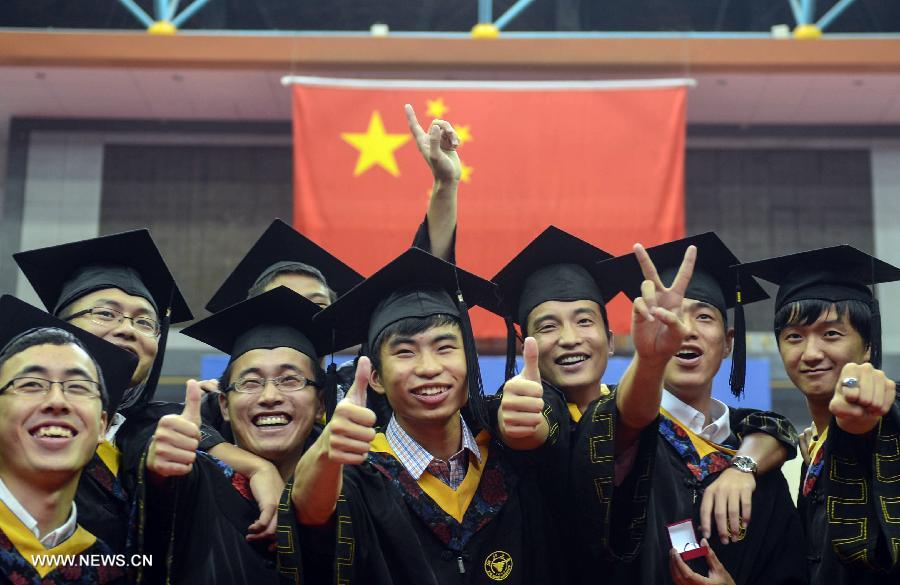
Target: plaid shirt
column 416, row 459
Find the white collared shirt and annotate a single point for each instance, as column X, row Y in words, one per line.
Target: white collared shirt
column 52, row 538
column 716, row 431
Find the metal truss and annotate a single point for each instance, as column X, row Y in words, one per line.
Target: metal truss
column 166, row 22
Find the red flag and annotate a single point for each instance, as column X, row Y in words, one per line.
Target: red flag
column 604, row 161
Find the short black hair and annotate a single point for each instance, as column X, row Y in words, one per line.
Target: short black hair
column 51, row 336
column 807, row 311
column 407, row 326
column 260, row 285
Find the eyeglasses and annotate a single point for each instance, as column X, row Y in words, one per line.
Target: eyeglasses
column 288, row 383
column 108, row 317
column 37, row 387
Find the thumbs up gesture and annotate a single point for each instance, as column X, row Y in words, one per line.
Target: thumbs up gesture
column 351, row 429
column 174, row 445
column 521, row 409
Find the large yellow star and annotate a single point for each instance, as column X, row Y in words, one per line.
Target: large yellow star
column 376, row 147
column 465, row 174
column 464, row 134
column 437, row 108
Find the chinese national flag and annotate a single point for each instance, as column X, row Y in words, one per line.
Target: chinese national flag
column 604, row 162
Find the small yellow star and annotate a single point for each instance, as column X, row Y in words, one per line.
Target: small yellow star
column 464, row 134
column 437, row 108
column 465, row 172
column 376, row 147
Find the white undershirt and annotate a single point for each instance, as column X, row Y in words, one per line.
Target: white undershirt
column 114, row 426
column 52, row 538
column 716, row 432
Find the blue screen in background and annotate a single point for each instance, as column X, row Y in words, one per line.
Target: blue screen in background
column 757, row 392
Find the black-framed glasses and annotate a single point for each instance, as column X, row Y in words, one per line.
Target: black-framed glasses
column 108, row 317
column 287, row 383
column 34, row 387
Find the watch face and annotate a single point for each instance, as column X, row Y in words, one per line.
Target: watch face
column 744, row 463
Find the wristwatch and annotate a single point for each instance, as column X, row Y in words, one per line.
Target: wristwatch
column 744, row 463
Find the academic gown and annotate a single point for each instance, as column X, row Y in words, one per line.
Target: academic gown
column 195, row 527
column 107, row 481
column 389, row 529
column 18, row 544
column 850, row 506
column 770, row 550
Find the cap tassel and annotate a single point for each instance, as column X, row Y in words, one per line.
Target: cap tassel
column 144, row 394
column 875, row 354
column 331, row 384
column 475, row 407
column 510, row 348
column 739, row 351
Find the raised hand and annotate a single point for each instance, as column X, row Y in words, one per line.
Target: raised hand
column 657, row 329
column 522, row 405
column 438, row 146
column 351, row 429
column 174, row 446
column 861, row 397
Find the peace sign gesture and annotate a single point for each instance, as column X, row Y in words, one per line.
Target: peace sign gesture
column 438, row 146
column 656, row 325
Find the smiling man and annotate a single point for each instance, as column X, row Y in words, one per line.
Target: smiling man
column 272, row 394
column 56, row 386
column 828, row 330
column 702, row 441
column 431, row 498
column 119, row 288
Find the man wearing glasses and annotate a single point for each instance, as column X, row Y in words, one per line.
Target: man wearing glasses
column 119, row 288
column 272, row 395
column 55, row 392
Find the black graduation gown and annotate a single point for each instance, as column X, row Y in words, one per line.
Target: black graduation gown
column 851, row 516
column 17, row 544
column 195, row 528
column 771, row 550
column 388, row 531
column 602, row 523
column 104, row 493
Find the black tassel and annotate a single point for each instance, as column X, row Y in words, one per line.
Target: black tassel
column 739, row 353
column 510, row 348
column 875, row 354
column 331, row 386
column 476, row 405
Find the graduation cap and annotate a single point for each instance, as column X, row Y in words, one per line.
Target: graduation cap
column 416, row 284
column 555, row 266
column 116, row 364
column 276, row 318
column 714, row 282
column 129, row 261
column 280, row 247
column 834, row 274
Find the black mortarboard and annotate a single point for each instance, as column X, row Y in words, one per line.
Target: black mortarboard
column 280, row 247
column 129, row 261
column 415, row 284
column 837, row 273
column 116, row 364
column 714, row 281
column 277, row 318
column 555, row 266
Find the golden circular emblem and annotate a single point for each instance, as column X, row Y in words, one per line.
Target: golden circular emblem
column 498, row 565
